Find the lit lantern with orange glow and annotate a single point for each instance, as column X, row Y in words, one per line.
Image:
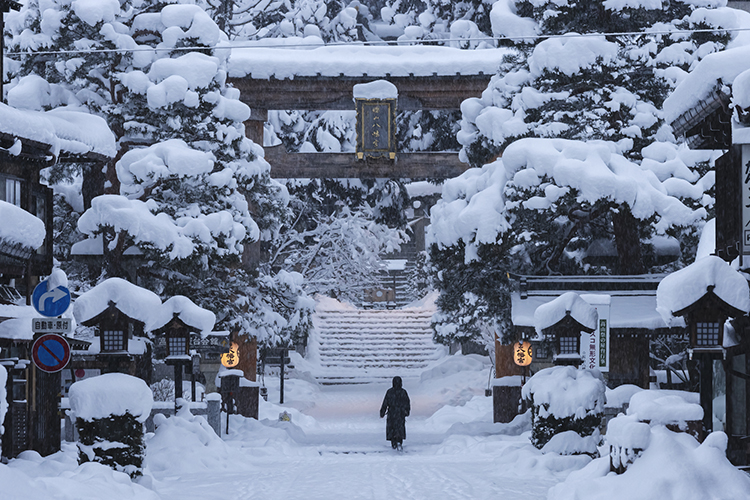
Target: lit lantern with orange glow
column 232, row 358
column 522, row 353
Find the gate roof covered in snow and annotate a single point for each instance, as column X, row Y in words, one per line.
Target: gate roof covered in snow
column 259, row 60
column 632, row 299
column 322, row 78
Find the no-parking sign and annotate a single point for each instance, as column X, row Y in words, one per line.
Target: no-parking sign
column 50, row 353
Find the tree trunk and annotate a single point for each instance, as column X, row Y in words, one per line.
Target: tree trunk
column 628, row 242
column 93, row 183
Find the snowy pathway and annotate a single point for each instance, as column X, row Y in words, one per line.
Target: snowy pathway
column 343, row 454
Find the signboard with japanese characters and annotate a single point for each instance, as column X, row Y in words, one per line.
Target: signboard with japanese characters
column 376, row 128
column 51, row 325
column 595, row 345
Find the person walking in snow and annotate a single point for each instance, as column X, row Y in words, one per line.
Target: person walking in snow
column 396, row 404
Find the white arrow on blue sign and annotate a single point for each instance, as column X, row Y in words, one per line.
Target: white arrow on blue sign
column 50, row 303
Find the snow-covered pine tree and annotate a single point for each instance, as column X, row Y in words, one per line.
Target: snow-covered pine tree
column 329, row 20
column 67, row 54
column 465, row 23
column 594, row 86
column 198, row 197
column 583, row 88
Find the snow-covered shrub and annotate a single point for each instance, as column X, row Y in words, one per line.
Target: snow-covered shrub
column 674, row 466
column 184, row 443
column 679, row 411
column 627, row 439
column 110, row 411
column 565, row 399
column 629, row 435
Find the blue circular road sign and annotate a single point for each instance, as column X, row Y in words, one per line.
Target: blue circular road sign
column 50, row 303
column 50, row 352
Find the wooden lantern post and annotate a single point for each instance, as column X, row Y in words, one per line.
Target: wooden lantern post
column 705, row 320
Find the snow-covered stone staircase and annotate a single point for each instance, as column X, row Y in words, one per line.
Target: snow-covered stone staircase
column 355, row 346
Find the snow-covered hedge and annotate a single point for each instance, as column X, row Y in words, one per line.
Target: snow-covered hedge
column 565, row 399
column 629, row 435
column 109, row 411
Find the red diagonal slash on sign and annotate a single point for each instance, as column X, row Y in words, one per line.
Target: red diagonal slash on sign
column 50, row 352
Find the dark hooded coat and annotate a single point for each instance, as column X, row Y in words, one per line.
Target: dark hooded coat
column 397, row 406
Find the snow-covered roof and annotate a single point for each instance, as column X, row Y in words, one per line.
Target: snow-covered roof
column 569, row 303
column 20, row 227
column 65, row 129
column 111, row 394
column 720, row 68
column 18, row 327
column 189, row 313
column 686, row 286
column 264, row 62
column 636, row 309
column 136, row 302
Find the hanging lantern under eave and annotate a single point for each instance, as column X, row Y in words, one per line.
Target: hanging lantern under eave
column 522, row 353
column 232, row 358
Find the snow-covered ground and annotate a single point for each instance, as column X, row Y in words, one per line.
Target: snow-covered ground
column 333, row 448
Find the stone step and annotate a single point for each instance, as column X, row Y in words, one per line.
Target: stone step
column 358, row 380
column 373, row 328
column 372, row 345
column 355, row 347
column 376, row 363
column 373, row 362
column 380, row 322
column 379, row 337
column 396, row 313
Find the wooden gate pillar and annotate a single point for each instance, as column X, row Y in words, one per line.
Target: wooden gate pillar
column 254, row 125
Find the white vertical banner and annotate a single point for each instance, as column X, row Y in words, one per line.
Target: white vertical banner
column 745, row 186
column 595, row 345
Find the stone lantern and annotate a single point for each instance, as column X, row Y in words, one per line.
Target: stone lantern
column 705, row 295
column 565, row 319
column 115, row 328
column 176, row 320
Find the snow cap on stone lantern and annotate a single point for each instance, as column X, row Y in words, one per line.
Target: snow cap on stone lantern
column 707, row 292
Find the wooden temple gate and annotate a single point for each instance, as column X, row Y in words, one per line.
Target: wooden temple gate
column 317, row 93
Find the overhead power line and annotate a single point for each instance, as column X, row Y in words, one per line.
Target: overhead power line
column 386, row 43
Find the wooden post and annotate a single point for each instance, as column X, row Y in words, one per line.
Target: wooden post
column 177, row 382
column 247, row 397
column 254, row 125
column 706, row 391
column 45, row 417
